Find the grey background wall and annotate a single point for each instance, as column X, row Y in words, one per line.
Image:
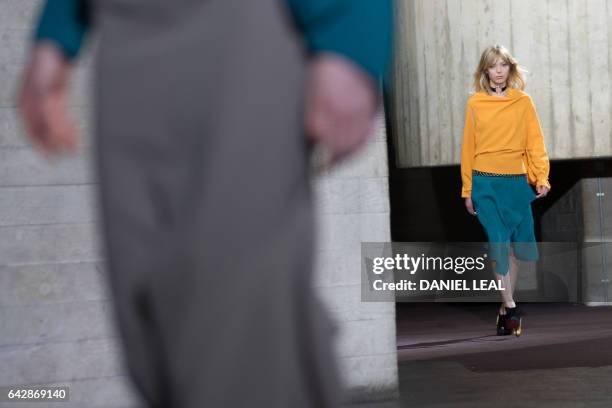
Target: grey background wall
column 566, row 45
column 353, row 203
column 56, row 322
column 55, row 313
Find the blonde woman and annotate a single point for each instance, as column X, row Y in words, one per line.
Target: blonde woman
column 503, row 153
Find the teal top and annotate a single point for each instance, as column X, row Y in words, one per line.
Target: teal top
column 360, row 30
column 65, row 22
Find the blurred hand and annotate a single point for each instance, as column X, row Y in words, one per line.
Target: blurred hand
column 340, row 105
column 469, row 206
column 542, row 191
column 43, row 100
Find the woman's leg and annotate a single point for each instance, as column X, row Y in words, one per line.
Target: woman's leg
column 513, row 271
column 508, row 283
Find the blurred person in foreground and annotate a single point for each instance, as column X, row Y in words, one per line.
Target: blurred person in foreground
column 205, row 115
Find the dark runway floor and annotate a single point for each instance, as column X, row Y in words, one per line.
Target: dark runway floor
column 449, row 356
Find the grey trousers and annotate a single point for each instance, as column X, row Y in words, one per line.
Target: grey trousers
column 206, row 204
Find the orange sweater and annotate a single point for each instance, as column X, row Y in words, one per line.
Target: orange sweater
column 503, row 135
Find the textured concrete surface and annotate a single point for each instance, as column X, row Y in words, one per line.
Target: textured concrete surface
column 353, row 205
column 597, row 208
column 582, row 217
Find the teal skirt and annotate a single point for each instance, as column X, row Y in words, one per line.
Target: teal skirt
column 503, row 207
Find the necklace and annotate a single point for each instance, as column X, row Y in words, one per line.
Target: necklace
column 495, row 89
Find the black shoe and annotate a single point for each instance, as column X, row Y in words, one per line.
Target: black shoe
column 502, row 329
column 514, row 320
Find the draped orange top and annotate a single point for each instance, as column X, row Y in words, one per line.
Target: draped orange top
column 503, row 135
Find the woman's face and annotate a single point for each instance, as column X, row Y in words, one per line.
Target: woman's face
column 498, row 71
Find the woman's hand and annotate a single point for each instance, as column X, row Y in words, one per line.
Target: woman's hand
column 469, row 205
column 341, row 105
column 542, row 191
column 43, row 101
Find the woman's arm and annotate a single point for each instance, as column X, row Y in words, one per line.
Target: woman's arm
column 467, row 151
column 537, row 157
column 360, row 30
column 351, row 40
column 65, row 23
column 43, row 97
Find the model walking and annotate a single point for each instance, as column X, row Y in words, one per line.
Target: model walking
column 502, row 153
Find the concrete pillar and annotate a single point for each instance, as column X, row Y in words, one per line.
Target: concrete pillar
column 353, row 205
column 577, row 245
column 597, row 250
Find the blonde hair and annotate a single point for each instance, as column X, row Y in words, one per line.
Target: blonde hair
column 489, row 55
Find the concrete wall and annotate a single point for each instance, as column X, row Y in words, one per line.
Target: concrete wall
column 565, row 44
column 597, row 250
column 578, row 228
column 55, row 313
column 353, row 202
